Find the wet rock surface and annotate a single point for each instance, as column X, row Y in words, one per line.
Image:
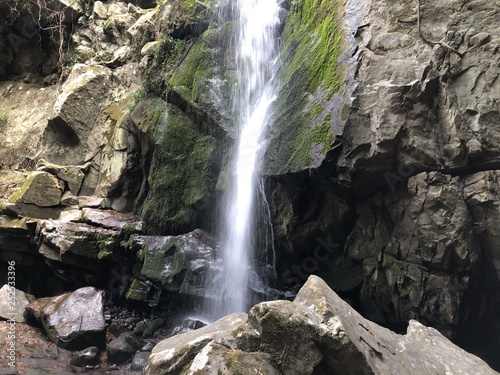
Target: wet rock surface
column 318, row 333
column 75, row 320
column 400, row 215
column 388, row 189
column 86, row 357
column 123, row 348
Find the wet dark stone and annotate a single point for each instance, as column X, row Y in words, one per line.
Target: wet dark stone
column 86, row 357
column 121, row 349
column 139, row 361
column 187, row 325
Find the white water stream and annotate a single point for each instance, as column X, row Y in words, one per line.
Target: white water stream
column 256, row 55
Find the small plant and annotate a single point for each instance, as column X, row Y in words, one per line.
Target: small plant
column 4, row 118
column 137, row 97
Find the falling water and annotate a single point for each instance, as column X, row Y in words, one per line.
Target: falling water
column 256, row 55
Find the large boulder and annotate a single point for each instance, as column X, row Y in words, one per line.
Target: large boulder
column 41, row 189
column 70, row 136
column 318, row 333
column 38, row 197
column 13, row 302
column 414, row 159
column 75, row 321
column 178, row 352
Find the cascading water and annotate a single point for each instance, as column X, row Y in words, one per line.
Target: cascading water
column 256, row 56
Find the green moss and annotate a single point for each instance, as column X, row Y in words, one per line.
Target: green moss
column 185, row 20
column 313, row 43
column 189, row 77
column 4, row 119
column 164, row 62
column 19, row 193
column 181, row 175
column 311, row 75
column 319, row 137
column 345, row 112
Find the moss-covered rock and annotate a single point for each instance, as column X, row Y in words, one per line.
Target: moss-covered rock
column 71, row 242
column 309, row 109
column 201, row 84
column 178, row 264
column 182, row 173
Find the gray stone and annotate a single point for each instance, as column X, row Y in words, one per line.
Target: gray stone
column 110, row 219
column 269, row 329
column 173, row 354
column 86, row 357
column 150, row 48
column 421, row 350
column 179, row 263
column 76, row 320
column 123, row 348
column 68, row 199
column 139, row 361
column 69, row 134
column 40, row 189
column 72, row 175
column 317, row 333
column 13, row 302
column 73, row 242
column 100, row 10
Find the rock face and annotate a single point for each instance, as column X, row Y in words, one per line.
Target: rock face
column 318, row 333
column 400, row 214
column 381, row 164
column 75, row 114
column 181, row 170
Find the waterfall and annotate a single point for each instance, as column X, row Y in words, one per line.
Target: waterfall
column 256, row 59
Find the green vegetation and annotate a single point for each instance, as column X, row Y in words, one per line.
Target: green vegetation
column 164, row 62
column 181, row 175
column 187, row 80
column 311, row 75
column 4, row 119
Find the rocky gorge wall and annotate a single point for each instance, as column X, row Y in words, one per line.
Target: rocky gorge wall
column 381, row 169
column 413, row 171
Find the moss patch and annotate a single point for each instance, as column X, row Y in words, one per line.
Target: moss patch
column 302, row 125
column 181, row 175
column 187, row 79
